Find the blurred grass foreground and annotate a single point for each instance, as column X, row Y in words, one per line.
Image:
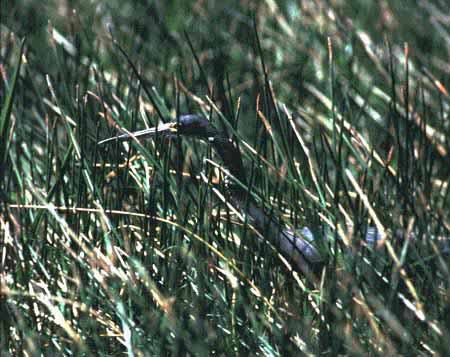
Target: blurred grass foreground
column 341, row 112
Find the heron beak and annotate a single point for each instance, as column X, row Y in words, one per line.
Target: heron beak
column 160, row 130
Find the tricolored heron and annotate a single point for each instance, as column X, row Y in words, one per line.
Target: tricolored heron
column 297, row 247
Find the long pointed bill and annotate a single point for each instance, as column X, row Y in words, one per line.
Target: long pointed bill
column 162, row 129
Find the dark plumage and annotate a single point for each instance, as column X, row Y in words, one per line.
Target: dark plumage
column 298, row 247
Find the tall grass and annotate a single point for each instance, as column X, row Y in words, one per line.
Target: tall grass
column 340, row 110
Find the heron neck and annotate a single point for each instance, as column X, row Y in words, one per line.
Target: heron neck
column 231, row 157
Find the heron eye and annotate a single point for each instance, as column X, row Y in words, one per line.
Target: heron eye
column 174, row 127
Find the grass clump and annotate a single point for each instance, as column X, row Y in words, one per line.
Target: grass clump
column 340, row 110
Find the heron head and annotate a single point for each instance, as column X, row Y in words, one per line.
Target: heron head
column 195, row 126
column 191, row 125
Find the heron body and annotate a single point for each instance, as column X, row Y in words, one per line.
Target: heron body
column 299, row 248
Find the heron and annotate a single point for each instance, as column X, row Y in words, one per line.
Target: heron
column 298, row 247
